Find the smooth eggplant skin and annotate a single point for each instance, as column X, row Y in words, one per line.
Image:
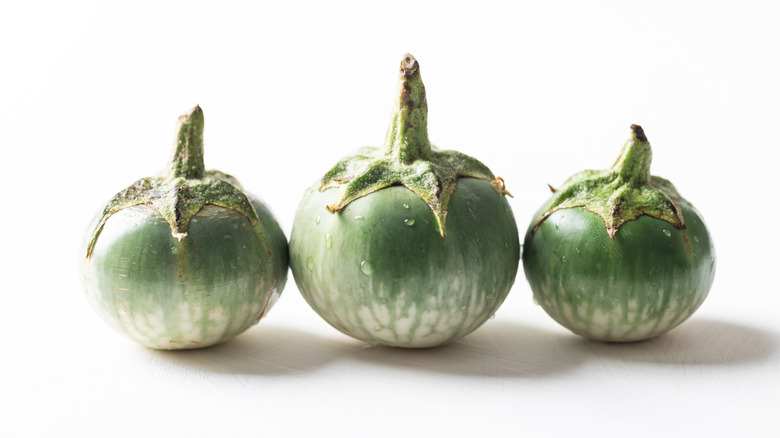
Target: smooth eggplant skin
column 380, row 271
column 651, row 278
column 218, row 281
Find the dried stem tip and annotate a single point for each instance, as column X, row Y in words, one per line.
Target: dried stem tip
column 408, row 65
column 638, row 132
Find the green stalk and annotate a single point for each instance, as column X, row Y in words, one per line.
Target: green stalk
column 623, row 192
column 407, row 135
column 633, row 164
column 407, row 158
column 184, row 188
column 187, row 159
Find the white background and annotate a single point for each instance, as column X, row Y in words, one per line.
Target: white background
column 89, row 98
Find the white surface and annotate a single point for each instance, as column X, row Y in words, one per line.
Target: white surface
column 90, row 93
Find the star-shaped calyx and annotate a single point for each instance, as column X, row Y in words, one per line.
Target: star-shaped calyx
column 623, row 192
column 184, row 188
column 408, row 158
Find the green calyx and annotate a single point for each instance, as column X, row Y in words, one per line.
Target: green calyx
column 623, row 192
column 408, row 158
column 181, row 191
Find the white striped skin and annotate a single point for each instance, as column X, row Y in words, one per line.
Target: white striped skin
column 380, row 271
column 216, row 283
column 650, row 279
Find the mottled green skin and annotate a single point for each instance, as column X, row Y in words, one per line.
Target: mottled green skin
column 170, row 294
column 646, row 281
column 380, row 271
